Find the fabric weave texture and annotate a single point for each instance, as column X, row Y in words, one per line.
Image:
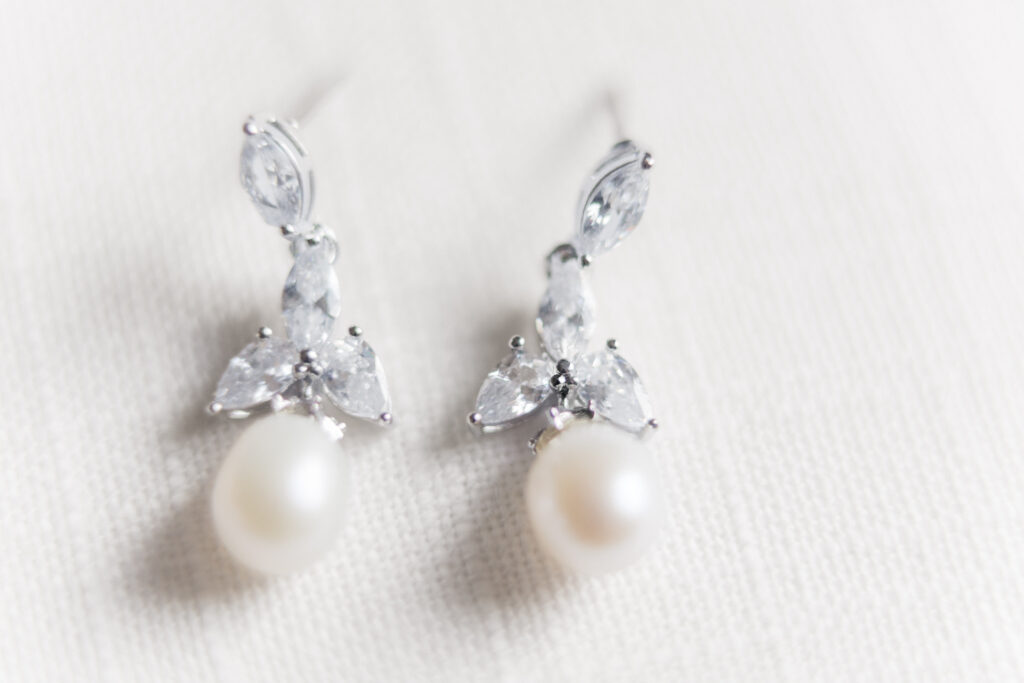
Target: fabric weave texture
column 824, row 299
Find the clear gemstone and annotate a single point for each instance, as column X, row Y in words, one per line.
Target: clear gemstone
column 262, row 369
column 311, row 299
column 605, row 378
column 566, row 319
column 354, row 379
column 272, row 179
column 516, row 388
column 613, row 209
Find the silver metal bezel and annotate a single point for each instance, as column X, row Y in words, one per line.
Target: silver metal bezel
column 283, row 135
column 623, row 154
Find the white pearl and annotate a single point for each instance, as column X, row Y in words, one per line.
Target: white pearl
column 281, row 494
column 593, row 497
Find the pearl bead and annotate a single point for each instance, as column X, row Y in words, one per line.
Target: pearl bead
column 592, row 496
column 281, row 494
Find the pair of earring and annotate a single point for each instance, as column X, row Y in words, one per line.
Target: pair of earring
column 280, row 496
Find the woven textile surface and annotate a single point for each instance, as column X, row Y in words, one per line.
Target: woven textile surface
column 825, row 300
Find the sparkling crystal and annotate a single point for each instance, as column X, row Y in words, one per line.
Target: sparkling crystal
column 605, row 378
column 566, row 319
column 311, row 300
column 354, row 379
column 516, row 388
column 262, row 369
column 613, row 209
column 272, row 179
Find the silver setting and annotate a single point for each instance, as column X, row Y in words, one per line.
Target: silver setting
column 283, row 138
column 598, row 385
column 303, row 371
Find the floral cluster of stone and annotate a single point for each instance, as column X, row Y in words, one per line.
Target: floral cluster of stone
column 565, row 375
column 305, row 369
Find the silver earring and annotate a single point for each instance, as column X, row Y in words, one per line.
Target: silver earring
column 592, row 493
column 280, row 496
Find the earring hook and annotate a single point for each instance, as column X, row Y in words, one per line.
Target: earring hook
column 613, row 103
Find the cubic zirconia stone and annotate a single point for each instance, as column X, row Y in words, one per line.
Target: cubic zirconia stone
column 515, row 389
column 613, row 209
column 566, row 319
column 605, row 378
column 311, row 298
column 271, row 178
column 262, row 369
column 354, row 379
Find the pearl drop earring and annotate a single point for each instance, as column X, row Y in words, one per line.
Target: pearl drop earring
column 592, row 494
column 281, row 494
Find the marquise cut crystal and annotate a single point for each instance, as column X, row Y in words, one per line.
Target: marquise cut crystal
column 262, row 369
column 613, row 209
column 311, row 299
column 272, row 179
column 516, row 388
column 566, row 318
column 607, row 379
column 354, row 379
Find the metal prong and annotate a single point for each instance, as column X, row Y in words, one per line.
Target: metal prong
column 648, row 161
column 300, row 370
column 532, row 443
column 517, row 342
column 612, row 344
column 474, row 419
column 264, row 333
column 385, row 418
column 591, row 408
column 314, row 239
column 307, row 355
column 355, row 331
column 288, row 231
column 307, row 392
column 649, row 428
column 586, row 261
column 250, row 127
column 214, row 408
column 278, row 403
column 564, row 366
column 555, row 418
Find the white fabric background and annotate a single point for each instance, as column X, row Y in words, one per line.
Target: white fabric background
column 825, row 300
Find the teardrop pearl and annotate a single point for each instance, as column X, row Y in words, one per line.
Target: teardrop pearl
column 281, row 494
column 593, row 497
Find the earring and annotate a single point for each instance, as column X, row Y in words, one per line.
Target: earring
column 281, row 494
column 592, row 493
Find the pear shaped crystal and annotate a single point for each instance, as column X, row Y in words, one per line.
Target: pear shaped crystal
column 566, row 318
column 274, row 171
column 354, row 379
column 516, row 388
column 614, row 199
column 262, row 369
column 612, row 385
column 311, row 298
